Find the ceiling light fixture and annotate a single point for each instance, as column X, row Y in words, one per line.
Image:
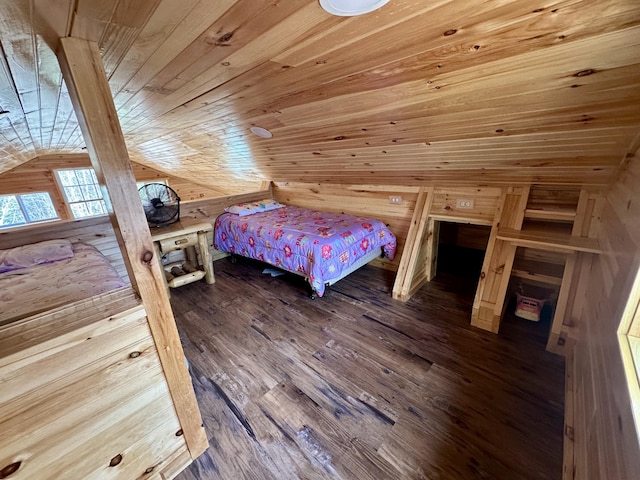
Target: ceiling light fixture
column 350, row 8
column 261, row 132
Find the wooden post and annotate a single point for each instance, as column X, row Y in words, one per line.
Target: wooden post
column 433, row 237
column 577, row 273
column 85, row 77
column 498, row 261
column 410, row 253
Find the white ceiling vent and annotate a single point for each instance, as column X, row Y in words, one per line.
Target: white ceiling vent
column 349, row 8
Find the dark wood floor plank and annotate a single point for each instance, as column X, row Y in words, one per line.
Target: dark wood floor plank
column 323, row 438
column 384, row 389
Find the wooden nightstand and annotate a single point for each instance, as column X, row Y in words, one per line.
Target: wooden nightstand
column 185, row 235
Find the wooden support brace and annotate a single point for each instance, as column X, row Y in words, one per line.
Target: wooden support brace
column 433, row 235
column 556, row 341
column 498, row 262
column 409, row 260
column 85, row 77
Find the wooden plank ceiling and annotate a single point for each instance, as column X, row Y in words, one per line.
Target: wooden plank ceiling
column 489, row 91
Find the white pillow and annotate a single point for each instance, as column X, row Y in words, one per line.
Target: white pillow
column 35, row 254
column 249, row 208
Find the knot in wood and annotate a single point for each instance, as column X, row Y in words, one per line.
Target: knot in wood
column 447, row 207
column 10, row 469
column 115, row 460
column 134, row 354
column 179, row 433
column 147, row 256
column 585, row 72
column 450, row 32
column 149, row 470
column 225, row 38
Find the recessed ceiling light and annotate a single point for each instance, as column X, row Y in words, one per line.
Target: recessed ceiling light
column 261, row 132
column 349, row 8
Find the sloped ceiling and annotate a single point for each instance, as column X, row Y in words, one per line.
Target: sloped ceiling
column 466, row 91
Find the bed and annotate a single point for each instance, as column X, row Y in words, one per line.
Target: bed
column 321, row 246
column 45, row 275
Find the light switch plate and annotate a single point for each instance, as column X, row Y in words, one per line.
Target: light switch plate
column 395, row 199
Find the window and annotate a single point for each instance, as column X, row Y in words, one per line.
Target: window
column 629, row 337
column 82, row 192
column 20, row 209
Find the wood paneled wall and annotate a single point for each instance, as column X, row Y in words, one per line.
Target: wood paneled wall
column 37, row 175
column 508, row 92
column 603, row 437
column 367, row 200
column 84, row 396
column 186, row 189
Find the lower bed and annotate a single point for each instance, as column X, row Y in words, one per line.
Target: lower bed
column 39, row 277
column 321, row 246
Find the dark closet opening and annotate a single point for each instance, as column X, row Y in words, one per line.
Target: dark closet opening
column 461, row 249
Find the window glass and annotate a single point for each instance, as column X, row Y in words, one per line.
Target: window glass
column 38, row 206
column 82, row 192
column 20, row 209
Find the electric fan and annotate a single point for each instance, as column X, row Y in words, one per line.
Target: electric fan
column 161, row 204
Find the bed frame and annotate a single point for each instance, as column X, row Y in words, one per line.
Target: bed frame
column 362, row 261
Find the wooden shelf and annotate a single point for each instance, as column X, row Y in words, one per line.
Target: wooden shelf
column 549, row 273
column 549, row 240
column 565, row 215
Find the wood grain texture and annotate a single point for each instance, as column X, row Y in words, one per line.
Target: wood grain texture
column 77, row 398
column 413, row 93
column 410, row 265
column 358, row 385
column 605, row 441
column 91, row 98
column 498, row 261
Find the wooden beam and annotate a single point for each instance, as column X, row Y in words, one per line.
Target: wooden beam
column 498, row 261
column 91, row 97
column 433, row 237
column 408, row 262
column 549, row 240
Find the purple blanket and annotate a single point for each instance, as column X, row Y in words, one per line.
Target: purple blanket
column 318, row 245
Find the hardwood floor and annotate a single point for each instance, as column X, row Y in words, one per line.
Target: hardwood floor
column 356, row 385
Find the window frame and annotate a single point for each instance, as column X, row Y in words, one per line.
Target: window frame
column 68, row 204
column 629, row 341
column 25, row 213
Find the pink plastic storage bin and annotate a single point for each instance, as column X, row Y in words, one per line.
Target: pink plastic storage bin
column 529, row 308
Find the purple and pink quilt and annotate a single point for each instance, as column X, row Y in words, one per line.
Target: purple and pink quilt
column 318, row 245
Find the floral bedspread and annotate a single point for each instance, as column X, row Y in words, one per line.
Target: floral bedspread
column 318, row 245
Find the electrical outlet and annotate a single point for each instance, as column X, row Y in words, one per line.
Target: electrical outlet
column 395, row 199
column 465, row 203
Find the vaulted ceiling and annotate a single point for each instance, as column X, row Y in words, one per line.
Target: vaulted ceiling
column 464, row 91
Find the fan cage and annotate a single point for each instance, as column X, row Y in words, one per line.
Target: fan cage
column 161, row 204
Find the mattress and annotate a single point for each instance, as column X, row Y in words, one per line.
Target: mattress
column 318, row 245
column 35, row 289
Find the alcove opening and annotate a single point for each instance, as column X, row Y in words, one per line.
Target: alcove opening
column 461, row 249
